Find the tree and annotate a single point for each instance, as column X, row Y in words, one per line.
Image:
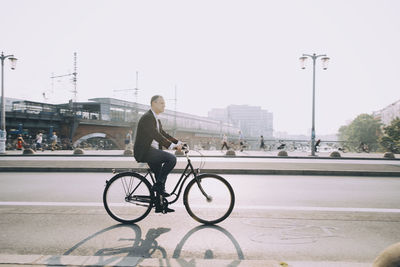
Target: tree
column 390, row 141
column 364, row 130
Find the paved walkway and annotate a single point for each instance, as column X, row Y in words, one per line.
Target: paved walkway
column 252, row 162
column 56, row 260
column 210, row 153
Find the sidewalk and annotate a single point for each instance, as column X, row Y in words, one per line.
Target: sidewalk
column 49, row 260
column 252, row 162
column 211, row 153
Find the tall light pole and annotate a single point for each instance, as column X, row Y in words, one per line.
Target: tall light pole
column 3, row 134
column 325, row 61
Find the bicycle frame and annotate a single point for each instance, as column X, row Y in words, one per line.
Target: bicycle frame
column 148, row 196
column 185, row 174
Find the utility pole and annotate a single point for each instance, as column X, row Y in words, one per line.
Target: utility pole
column 74, row 82
column 136, row 93
column 136, row 99
column 74, row 78
column 74, row 91
column 175, row 99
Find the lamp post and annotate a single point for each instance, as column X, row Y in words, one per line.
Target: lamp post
column 3, row 134
column 325, row 61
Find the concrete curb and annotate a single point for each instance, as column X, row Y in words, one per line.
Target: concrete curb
column 244, row 166
column 218, row 171
column 204, row 156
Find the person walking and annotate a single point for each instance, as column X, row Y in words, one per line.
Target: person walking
column 54, row 140
column 241, row 141
column 39, row 140
column 20, row 142
column 128, row 140
column 262, row 143
column 317, row 145
column 224, row 142
column 150, row 138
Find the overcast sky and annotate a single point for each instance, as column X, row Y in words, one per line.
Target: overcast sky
column 215, row 52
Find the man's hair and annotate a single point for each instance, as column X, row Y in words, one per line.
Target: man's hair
column 154, row 98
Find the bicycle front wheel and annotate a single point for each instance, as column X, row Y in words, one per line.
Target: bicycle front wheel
column 127, row 197
column 209, row 198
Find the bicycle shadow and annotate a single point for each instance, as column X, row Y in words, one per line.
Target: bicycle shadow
column 128, row 248
column 209, row 253
column 121, row 254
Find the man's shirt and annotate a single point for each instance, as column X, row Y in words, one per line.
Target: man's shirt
column 155, row 144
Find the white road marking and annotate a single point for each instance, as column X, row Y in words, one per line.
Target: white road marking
column 243, row 207
column 296, row 208
column 56, row 204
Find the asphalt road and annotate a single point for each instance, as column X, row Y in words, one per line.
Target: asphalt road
column 289, row 219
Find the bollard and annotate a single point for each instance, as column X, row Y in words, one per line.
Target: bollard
column 78, row 151
column 128, row 152
column 179, row 153
column 335, row 154
column 230, row 153
column 28, row 151
column 282, row 153
column 389, row 155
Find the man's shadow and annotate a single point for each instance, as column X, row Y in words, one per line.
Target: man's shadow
column 131, row 254
column 139, row 248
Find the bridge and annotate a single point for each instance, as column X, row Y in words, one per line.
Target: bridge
column 105, row 118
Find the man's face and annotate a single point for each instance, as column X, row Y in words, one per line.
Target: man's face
column 158, row 105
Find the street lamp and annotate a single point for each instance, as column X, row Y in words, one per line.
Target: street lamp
column 3, row 134
column 325, row 61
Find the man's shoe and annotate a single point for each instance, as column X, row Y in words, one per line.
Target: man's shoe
column 159, row 209
column 169, row 210
column 166, row 210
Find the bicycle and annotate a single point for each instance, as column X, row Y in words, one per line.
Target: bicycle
column 208, row 198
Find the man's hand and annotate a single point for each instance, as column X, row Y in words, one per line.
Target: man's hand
column 179, row 147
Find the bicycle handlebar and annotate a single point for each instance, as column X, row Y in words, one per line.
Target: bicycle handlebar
column 185, row 148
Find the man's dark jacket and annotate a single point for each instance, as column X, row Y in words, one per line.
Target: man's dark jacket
column 147, row 132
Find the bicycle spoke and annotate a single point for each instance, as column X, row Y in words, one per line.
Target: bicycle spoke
column 130, row 185
column 210, row 201
column 130, row 194
column 126, row 189
column 129, row 199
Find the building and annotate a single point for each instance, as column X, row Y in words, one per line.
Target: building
column 389, row 113
column 100, row 116
column 252, row 120
column 111, row 109
column 9, row 103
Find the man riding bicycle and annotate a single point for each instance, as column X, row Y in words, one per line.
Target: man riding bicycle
column 150, row 138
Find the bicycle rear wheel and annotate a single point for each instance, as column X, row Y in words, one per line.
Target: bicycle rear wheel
column 211, row 201
column 127, row 197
